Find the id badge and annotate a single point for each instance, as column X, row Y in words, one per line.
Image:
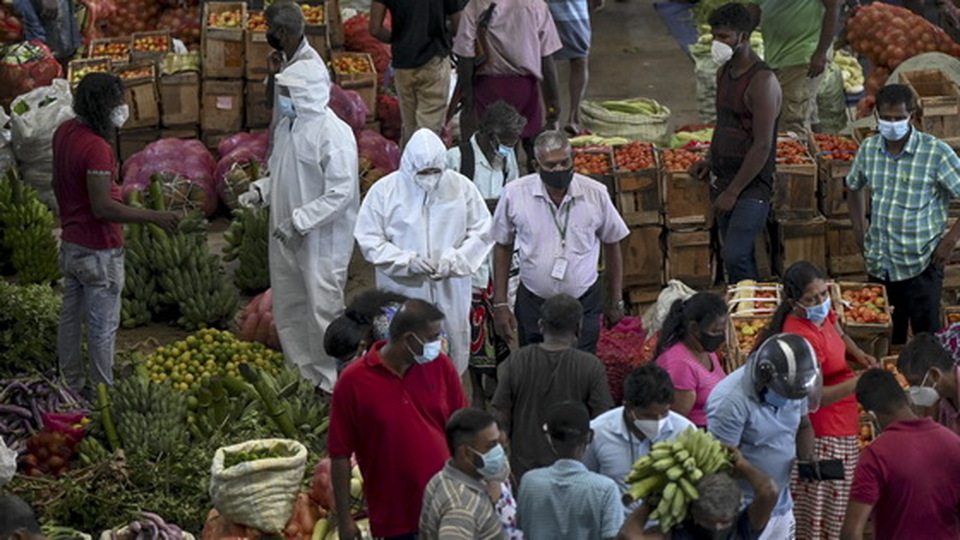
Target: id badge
column 559, row 268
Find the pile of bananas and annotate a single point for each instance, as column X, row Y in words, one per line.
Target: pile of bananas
column 194, row 280
column 247, row 243
column 671, row 470
column 140, row 295
column 853, row 78
column 308, row 414
column 150, row 418
column 26, row 225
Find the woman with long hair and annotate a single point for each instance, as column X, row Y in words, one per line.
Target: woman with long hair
column 91, row 211
column 692, row 332
column 805, row 310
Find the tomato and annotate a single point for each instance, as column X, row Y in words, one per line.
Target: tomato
column 679, row 160
column 592, row 162
column 634, row 156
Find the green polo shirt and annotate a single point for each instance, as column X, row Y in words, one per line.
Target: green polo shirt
column 909, row 195
column 791, row 30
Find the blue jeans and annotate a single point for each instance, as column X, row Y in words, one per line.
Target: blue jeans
column 92, row 284
column 32, row 25
column 738, row 233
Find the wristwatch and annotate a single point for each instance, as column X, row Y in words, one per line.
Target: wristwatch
column 618, row 304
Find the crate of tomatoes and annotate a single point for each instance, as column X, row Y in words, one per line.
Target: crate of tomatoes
column 865, row 314
column 749, row 297
column 117, row 49
column 834, row 155
column 78, row 69
column 151, row 46
column 356, row 71
column 743, row 331
column 141, row 94
column 317, row 30
column 686, row 199
column 795, row 188
column 222, row 39
column 637, row 183
column 257, row 48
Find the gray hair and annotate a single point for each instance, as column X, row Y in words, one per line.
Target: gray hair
column 548, row 141
column 500, row 118
column 286, row 14
column 719, row 496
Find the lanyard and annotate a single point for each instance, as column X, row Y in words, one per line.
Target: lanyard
column 566, row 222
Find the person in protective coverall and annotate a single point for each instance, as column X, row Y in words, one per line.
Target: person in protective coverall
column 426, row 229
column 313, row 197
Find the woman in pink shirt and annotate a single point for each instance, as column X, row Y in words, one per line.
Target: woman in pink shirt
column 693, row 331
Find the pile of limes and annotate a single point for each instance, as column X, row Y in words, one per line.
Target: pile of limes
column 207, row 353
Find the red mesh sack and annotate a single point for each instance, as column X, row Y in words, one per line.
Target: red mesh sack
column 25, row 66
column 619, row 350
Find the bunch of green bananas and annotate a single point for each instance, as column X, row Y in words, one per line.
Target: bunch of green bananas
column 140, row 296
column 27, row 233
column 307, row 412
column 151, row 418
column 671, row 471
column 247, row 242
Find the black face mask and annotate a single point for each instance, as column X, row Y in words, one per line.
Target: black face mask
column 274, row 42
column 557, row 179
column 710, row 343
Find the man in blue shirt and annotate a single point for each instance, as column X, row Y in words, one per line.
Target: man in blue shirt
column 762, row 409
column 565, row 500
column 623, row 435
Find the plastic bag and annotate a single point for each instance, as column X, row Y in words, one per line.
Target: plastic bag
column 25, row 66
column 705, row 69
column 8, row 463
column 261, row 493
column 382, row 153
column 7, row 159
column 258, row 142
column 832, row 101
column 36, row 116
column 349, row 107
column 655, row 314
column 388, row 113
column 357, row 38
column 619, row 348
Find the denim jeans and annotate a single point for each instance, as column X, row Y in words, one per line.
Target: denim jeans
column 738, row 233
column 92, row 284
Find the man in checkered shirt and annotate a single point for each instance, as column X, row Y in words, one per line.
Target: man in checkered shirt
column 912, row 177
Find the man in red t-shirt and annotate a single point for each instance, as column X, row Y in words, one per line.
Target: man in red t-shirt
column 390, row 408
column 91, row 210
column 909, row 478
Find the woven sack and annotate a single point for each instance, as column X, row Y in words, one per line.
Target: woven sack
column 650, row 127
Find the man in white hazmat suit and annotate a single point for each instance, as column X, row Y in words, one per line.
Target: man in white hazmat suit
column 313, row 199
column 426, row 229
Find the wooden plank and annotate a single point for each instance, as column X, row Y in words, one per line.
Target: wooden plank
column 643, row 257
column 222, row 106
column 795, row 191
column 638, row 196
column 686, row 201
column 843, row 254
column 690, row 257
column 800, row 241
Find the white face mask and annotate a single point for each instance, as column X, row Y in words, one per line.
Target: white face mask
column 428, row 181
column 651, row 429
column 119, row 115
column 924, row 396
column 894, row 131
column 721, row 52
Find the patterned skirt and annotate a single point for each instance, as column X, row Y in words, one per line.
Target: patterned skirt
column 820, row 507
column 487, row 350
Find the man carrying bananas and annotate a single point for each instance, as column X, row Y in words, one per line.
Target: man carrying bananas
column 762, row 409
column 716, row 513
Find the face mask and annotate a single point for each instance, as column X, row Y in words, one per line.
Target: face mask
column 557, row 179
column 894, row 131
column 428, row 182
column 775, row 399
column 721, row 52
column 119, row 115
column 494, row 462
column 431, row 350
column 650, row 428
column 711, row 343
column 274, row 42
column 924, row 396
column 819, row 312
column 285, row 104
column 504, row 151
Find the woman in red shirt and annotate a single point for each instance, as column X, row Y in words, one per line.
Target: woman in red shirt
column 91, row 211
column 805, row 310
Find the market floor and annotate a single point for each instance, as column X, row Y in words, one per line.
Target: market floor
column 632, row 55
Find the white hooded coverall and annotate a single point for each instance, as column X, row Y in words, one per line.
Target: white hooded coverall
column 313, row 171
column 449, row 225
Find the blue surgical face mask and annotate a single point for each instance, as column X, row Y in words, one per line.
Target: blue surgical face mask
column 775, row 399
column 431, row 350
column 494, row 461
column 285, row 106
column 504, row 151
column 819, row 312
column 894, row 131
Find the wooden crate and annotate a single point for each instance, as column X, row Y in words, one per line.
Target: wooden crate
column 256, row 112
column 139, row 51
column 800, row 240
column 740, row 341
column 750, row 298
column 221, row 109
column 77, row 69
column 643, row 257
column 223, row 48
column 951, row 315
column 180, row 98
column 843, row 254
column 686, row 201
column 795, row 187
column 854, row 328
column 318, row 35
column 638, row 196
column 257, row 50
column 364, row 83
column 188, row 131
column 132, row 141
column 640, row 298
column 832, row 176
column 938, row 100
column 120, row 46
column 690, row 257
column 951, row 276
column 140, row 94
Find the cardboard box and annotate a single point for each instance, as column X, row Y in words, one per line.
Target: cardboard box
column 180, row 98
column 221, row 109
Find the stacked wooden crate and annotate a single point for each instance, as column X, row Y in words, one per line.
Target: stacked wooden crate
column 865, row 315
column 223, row 47
column 688, row 217
column 834, row 155
column 751, row 306
column 800, row 229
column 180, row 95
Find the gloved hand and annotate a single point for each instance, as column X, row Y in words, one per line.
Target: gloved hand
column 420, row 266
column 443, row 270
column 289, row 236
column 250, row 199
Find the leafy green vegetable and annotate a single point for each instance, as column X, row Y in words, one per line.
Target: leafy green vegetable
column 29, row 317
